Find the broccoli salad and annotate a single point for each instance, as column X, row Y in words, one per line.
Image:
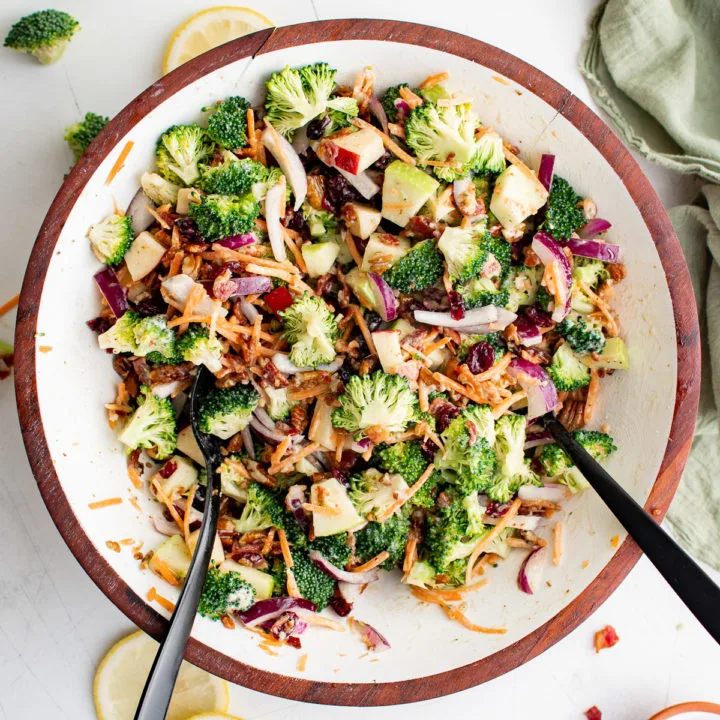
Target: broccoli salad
column 390, row 299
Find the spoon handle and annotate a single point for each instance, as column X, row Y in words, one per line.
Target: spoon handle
column 686, row 578
column 159, row 686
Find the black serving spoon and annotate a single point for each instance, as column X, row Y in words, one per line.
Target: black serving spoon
column 159, row 686
column 686, row 578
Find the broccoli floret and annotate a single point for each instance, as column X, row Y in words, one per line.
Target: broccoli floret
column 223, row 593
column 158, row 189
column 468, row 457
column 79, row 135
column 582, row 338
column 278, row 406
column 563, row 216
column 233, row 483
column 179, row 152
column 44, row 34
column 373, row 492
column 479, row 292
column 442, row 134
column 567, row 371
column 390, row 99
column 513, row 470
column 311, row 329
column 591, row 272
column 334, row 548
column 297, row 95
column 227, row 125
column 422, row 574
column 263, row 509
column 227, row 411
column 407, row 459
column 554, row 460
column 544, row 300
column 219, row 216
column 260, row 189
column 466, row 253
column 314, row 584
column 522, row 285
column 422, row 267
column 489, row 157
column 599, row 444
column 376, row 537
column 196, row 346
column 319, row 222
column 111, row 238
column 236, row 177
column 120, row 338
column 151, row 425
column 376, row 399
column 495, row 340
column 152, row 335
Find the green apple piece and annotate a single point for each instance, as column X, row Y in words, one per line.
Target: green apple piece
column 261, row 581
column 405, row 190
column 517, row 195
column 330, row 493
column 387, row 345
column 383, row 249
column 362, row 220
column 613, row 357
column 320, row 257
column 173, row 554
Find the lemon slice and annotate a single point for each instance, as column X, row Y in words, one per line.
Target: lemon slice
column 214, row 716
column 121, row 676
column 208, row 29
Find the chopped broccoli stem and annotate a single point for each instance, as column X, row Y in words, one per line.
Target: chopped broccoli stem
column 227, row 125
column 227, row 411
column 311, row 329
column 421, row 268
column 44, row 34
column 223, row 593
column 151, row 425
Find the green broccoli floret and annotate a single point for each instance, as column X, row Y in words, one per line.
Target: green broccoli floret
column 513, row 470
column 158, row 189
column 591, row 272
column 376, row 537
column 495, row 340
column 480, row 292
column 599, row 444
column 314, row 584
column 468, row 458
column 555, row 460
column 79, row 135
column 373, row 492
column 319, row 222
column 334, row 548
column 442, row 134
column 120, row 338
column 582, row 338
column 227, row 411
column 151, row 425
column 466, row 252
column 236, row 177
column 219, row 216
column 563, row 216
column 278, row 405
column 311, row 329
column 407, row 459
column 179, row 152
column 422, row 574
column 522, row 285
column 390, row 99
column 223, row 593
column 377, row 399
column 422, row 267
column 44, row 34
column 227, row 125
column 567, row 371
column 489, row 157
column 263, row 509
column 196, row 346
column 152, row 335
column 544, row 300
column 260, row 189
column 111, row 238
column 297, row 95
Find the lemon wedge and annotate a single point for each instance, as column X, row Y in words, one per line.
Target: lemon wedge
column 121, row 676
column 208, row 29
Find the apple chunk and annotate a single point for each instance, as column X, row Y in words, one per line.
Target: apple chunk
column 353, row 152
column 362, row 220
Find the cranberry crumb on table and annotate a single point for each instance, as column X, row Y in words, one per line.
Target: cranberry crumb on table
column 605, row 638
column 388, row 297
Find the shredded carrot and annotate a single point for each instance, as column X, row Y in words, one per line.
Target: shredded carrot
column 338, row 437
column 379, row 559
column 442, row 163
column 168, row 503
column 269, row 539
column 292, row 459
column 302, row 662
column 228, row 622
column 252, row 140
column 557, row 543
column 497, row 369
column 592, row 394
column 120, row 162
column 295, row 250
column 270, row 272
column 112, row 545
column 362, row 326
column 320, row 509
column 432, row 596
column 307, row 393
column 450, row 384
column 432, row 80
column 133, row 501
column 285, row 548
column 268, row 650
column 423, row 397
column 127, row 541
column 407, row 494
column 602, row 306
column 388, row 142
column 164, row 571
column 292, row 587
column 352, row 248
column 280, row 450
column 505, row 405
column 322, row 621
column 160, row 600
column 133, row 474
column 188, row 514
column 245, row 257
column 432, row 347
column 104, row 503
column 411, row 98
column 9, row 305
column 410, row 554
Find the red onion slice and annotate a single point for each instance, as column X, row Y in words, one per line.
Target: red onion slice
column 294, row 501
column 594, row 227
column 265, row 432
column 237, row 241
column 112, row 291
column 594, row 249
column 545, row 171
column 402, row 106
column 387, row 303
column 552, row 492
column 378, row 112
column 528, row 332
column 140, row 217
column 478, row 316
column 504, row 318
column 536, row 439
column 531, row 570
column 361, row 446
column 362, row 182
column 274, row 212
column 550, row 253
column 298, row 628
column 265, row 610
column 541, row 393
column 264, row 418
column 370, row 636
column 254, row 285
column 165, row 526
column 248, row 443
column 354, row 578
column 289, row 162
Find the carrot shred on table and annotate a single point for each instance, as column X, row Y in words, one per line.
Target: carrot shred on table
column 104, row 503
column 9, row 305
column 302, row 662
column 557, row 543
column 120, row 162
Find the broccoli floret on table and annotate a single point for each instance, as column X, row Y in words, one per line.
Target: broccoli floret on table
column 562, row 216
column 111, row 238
column 236, row 177
column 567, row 371
column 153, row 336
column 219, row 216
column 390, row 99
column 513, row 470
column 227, row 411
column 311, row 328
column 120, row 338
column 223, row 593
column 79, row 135
column 377, row 399
column 179, row 152
column 582, row 338
column 375, row 538
column 263, row 509
column 419, row 269
column 196, row 346
column 153, row 424
column 158, row 189
column 44, row 34
column 227, row 125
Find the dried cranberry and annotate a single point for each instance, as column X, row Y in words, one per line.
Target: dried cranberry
column 308, row 158
column 347, row 460
column 593, row 713
column 340, row 605
column 480, row 357
column 342, row 477
column 495, row 509
column 539, row 316
column 429, row 449
column 372, row 320
column 383, row 161
column 338, row 191
column 99, row 325
column 345, row 371
column 294, row 221
column 153, row 305
column 294, row 641
column 188, row 229
column 167, row 469
column 444, row 413
column 457, row 305
column 316, row 128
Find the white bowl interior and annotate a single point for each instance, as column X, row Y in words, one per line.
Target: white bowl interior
column 75, row 379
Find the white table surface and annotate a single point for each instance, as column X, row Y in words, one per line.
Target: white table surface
column 55, row 625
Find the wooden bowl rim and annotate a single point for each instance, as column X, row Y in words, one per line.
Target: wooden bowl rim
column 654, row 215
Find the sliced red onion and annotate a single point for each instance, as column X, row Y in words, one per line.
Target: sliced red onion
column 112, row 291
column 478, row 316
column 289, row 163
column 465, row 198
column 250, row 312
column 354, row 578
column 261, row 414
column 378, row 112
column 504, row 318
column 237, row 241
column 294, row 501
column 350, row 592
column 248, row 443
column 264, row 432
column 536, row 439
column 531, row 570
column 552, row 492
column 594, row 227
column 274, row 212
column 528, row 332
column 140, row 217
column 362, row 182
column 402, row 106
column 254, row 285
column 284, row 365
column 370, row 636
column 265, row 610
column 545, row 171
column 541, row 393
column 361, row 446
column 165, row 526
column 387, row 303
column 595, row 249
column 550, row 252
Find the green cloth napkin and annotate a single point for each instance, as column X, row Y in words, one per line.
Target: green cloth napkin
column 654, row 67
